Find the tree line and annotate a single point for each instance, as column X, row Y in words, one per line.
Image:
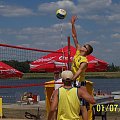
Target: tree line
column 24, row 66
column 21, row 66
column 113, row 68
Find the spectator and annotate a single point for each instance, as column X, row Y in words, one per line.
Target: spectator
column 27, row 98
column 57, row 79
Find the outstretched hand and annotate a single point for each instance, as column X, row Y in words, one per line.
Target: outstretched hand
column 73, row 19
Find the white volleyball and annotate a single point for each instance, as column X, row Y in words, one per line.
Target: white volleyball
column 61, row 13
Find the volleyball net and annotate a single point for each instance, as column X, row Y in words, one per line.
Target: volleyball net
column 36, row 60
column 19, row 53
column 17, row 61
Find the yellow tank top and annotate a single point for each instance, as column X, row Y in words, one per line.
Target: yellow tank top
column 77, row 60
column 68, row 105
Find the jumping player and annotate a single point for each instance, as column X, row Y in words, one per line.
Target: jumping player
column 79, row 65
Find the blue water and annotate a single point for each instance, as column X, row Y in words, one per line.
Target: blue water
column 106, row 85
column 11, row 95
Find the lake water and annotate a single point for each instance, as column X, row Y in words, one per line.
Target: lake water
column 11, row 95
column 107, row 85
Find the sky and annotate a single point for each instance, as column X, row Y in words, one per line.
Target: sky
column 33, row 23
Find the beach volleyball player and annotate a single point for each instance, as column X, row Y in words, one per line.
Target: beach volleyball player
column 79, row 65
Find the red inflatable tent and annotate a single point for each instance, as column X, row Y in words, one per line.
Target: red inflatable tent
column 7, row 71
column 59, row 61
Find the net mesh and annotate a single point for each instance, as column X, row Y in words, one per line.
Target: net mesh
column 8, row 52
column 12, row 90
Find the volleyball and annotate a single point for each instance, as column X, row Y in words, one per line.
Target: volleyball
column 61, row 13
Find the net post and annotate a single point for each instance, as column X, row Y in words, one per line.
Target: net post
column 69, row 53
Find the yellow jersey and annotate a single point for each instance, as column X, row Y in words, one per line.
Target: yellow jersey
column 77, row 60
column 69, row 104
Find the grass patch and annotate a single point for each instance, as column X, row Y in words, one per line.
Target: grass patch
column 88, row 75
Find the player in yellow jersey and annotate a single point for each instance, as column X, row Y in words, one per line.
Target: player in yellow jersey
column 79, row 64
column 67, row 99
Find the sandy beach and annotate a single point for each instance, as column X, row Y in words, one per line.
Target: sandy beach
column 17, row 112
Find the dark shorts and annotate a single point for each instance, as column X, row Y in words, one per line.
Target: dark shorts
column 79, row 84
column 83, row 102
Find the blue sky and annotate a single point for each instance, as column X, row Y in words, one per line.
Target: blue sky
column 33, row 23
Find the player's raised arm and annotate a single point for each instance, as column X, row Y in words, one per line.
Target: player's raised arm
column 74, row 33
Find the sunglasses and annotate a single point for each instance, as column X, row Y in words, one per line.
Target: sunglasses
column 85, row 47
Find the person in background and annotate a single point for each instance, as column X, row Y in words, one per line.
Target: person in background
column 24, row 97
column 67, row 99
column 27, row 98
column 79, row 65
column 57, row 79
column 30, row 98
column 56, row 75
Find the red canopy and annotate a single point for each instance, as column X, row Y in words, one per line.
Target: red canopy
column 7, row 71
column 59, row 61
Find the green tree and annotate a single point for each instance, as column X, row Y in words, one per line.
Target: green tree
column 113, row 68
column 21, row 66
